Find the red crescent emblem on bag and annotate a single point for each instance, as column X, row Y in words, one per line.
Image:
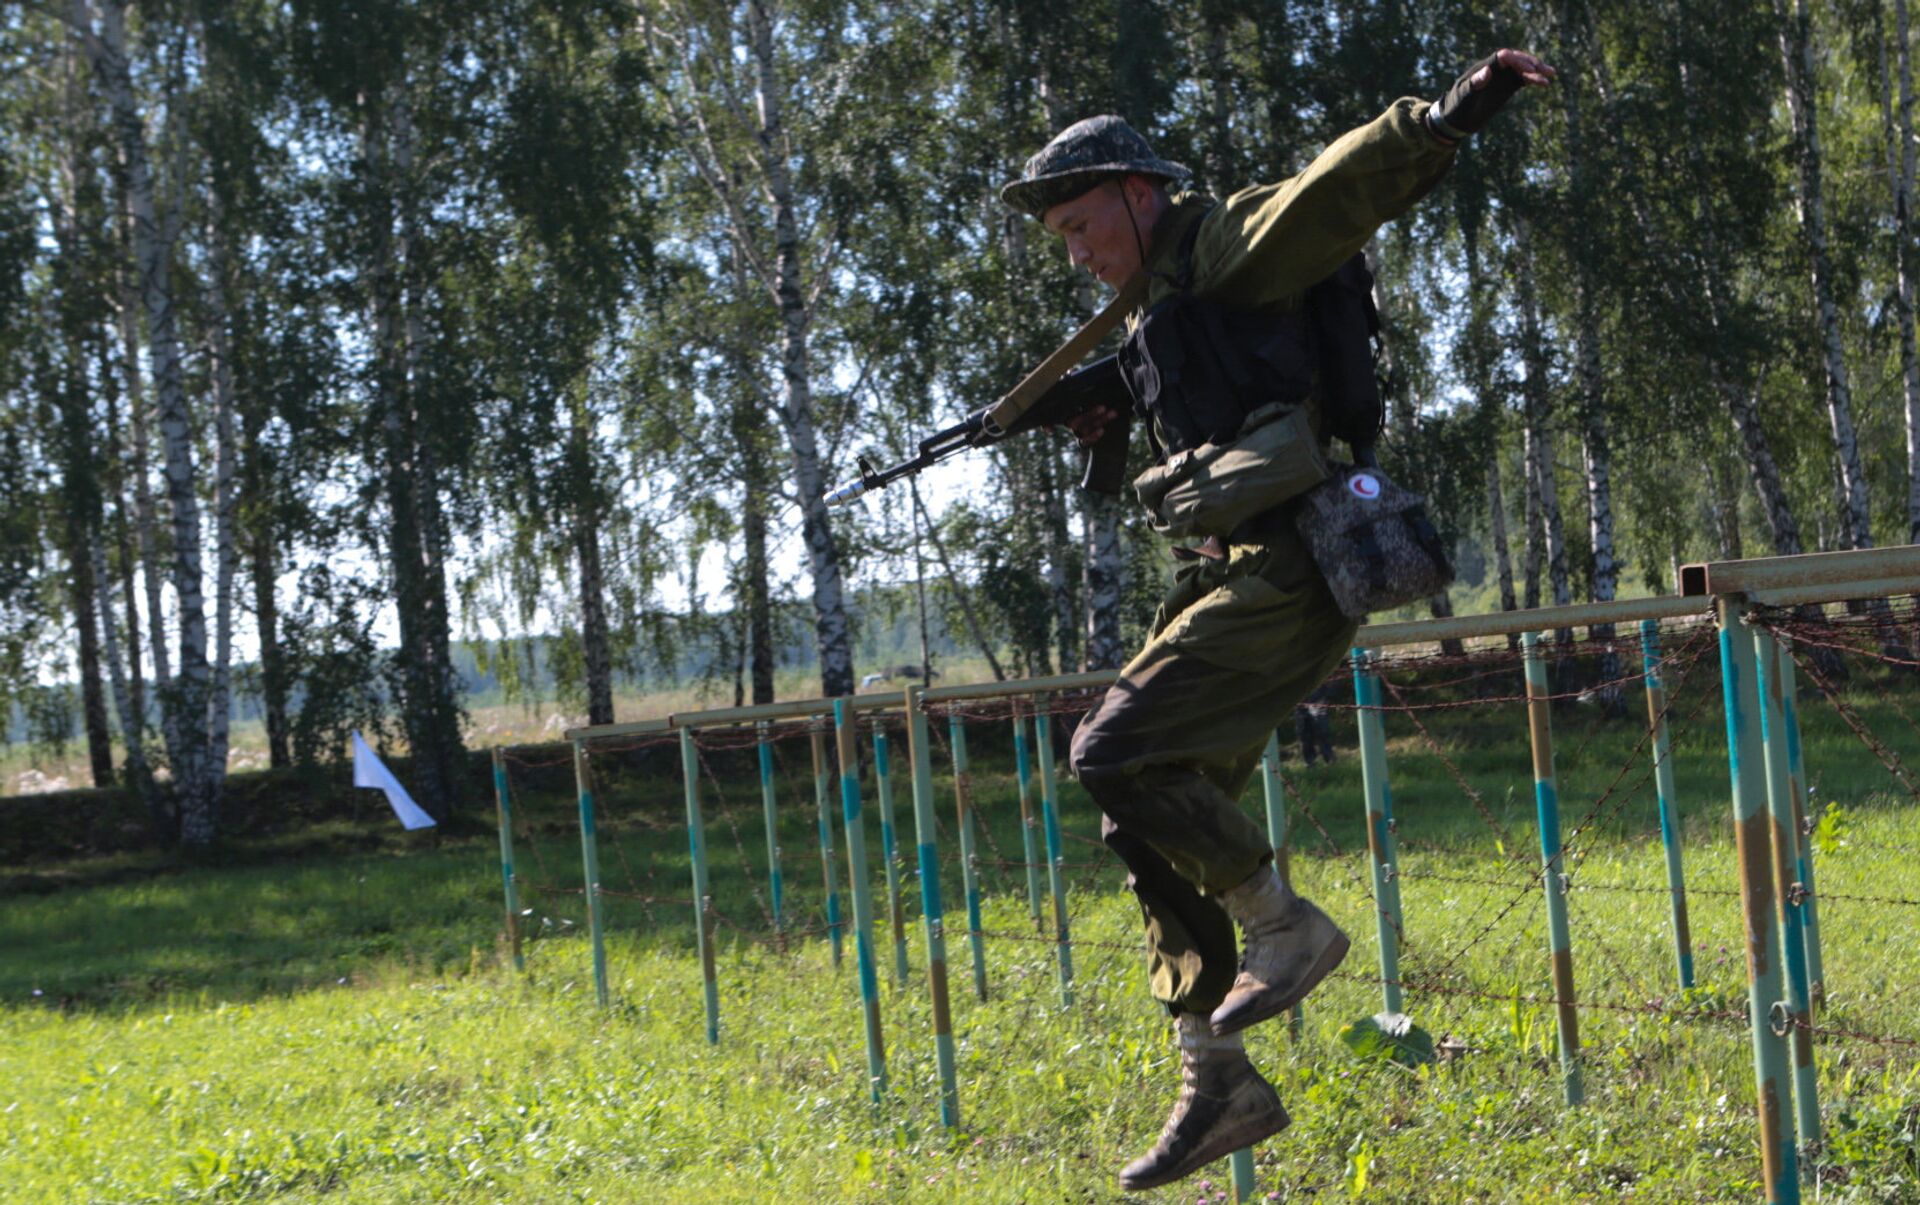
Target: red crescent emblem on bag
column 1364, row 486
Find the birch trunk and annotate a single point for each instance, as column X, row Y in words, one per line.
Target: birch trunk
column 1897, row 124
column 273, row 661
column 1596, row 455
column 226, row 543
column 749, row 427
column 79, row 461
column 831, row 634
column 122, row 534
column 1059, row 542
column 443, row 748
column 753, row 530
column 1102, row 569
column 1796, row 51
column 146, row 521
column 401, row 470
column 1497, row 522
column 138, row 774
column 187, row 700
column 1543, row 483
column 595, row 640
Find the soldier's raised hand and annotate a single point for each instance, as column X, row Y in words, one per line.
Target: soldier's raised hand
column 1484, row 90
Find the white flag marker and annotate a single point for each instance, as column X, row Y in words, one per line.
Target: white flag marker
column 370, row 771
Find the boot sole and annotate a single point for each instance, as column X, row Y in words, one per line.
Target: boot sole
column 1331, row 957
column 1257, row 1129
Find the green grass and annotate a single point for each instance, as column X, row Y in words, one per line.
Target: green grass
column 347, row 1029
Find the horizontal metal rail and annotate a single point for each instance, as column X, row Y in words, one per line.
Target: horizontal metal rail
column 1838, row 571
column 1769, row 581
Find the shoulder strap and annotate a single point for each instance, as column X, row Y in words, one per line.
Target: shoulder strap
column 1021, row 398
column 1183, row 263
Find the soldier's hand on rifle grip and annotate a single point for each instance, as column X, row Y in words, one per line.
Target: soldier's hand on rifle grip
column 1090, row 424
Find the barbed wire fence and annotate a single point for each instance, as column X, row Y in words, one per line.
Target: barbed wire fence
column 1037, row 886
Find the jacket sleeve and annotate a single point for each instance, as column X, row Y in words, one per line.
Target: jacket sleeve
column 1269, row 243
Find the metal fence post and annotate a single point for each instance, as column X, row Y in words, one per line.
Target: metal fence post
column 857, row 876
column 1803, row 864
column 1650, row 663
column 1786, row 851
column 702, row 900
column 821, row 793
column 925, row 830
column 590, row 865
column 1275, row 793
column 776, row 888
column 1023, row 773
column 1056, row 859
column 969, row 856
column 503, row 807
column 1546, row 798
column 889, row 844
column 1753, row 845
column 1380, row 826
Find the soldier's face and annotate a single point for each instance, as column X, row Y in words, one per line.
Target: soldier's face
column 1100, row 231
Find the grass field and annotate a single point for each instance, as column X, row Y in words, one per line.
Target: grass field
column 345, row 1028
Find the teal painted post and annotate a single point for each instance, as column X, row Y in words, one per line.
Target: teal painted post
column 503, row 807
column 857, row 877
column 924, row 832
column 1380, row 827
column 969, row 856
column 1553, row 867
column 1029, row 842
column 590, row 864
column 821, row 794
column 1275, row 792
column 1243, row 1182
column 1803, row 864
column 768, row 805
column 702, row 899
column 1650, row 662
column 1056, row 859
column 1788, row 902
column 1753, row 845
column 889, row 844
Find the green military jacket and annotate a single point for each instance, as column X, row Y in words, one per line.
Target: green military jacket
column 1265, row 246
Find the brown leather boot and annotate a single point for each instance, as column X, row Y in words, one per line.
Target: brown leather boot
column 1224, row 1105
column 1289, row 946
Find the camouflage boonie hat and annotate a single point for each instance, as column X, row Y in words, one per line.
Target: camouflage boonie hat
column 1081, row 156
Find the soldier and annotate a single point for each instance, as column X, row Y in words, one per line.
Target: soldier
column 1221, row 354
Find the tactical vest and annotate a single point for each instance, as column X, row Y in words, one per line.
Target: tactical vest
column 1197, row 369
column 1225, row 390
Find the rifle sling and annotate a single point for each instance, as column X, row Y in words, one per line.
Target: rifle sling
column 1021, row 398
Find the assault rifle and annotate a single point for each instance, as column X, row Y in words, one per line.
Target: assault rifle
column 1098, row 384
column 1049, row 395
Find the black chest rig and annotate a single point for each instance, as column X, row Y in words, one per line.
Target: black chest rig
column 1196, row 368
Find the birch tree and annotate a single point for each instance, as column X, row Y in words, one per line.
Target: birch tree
column 1796, row 52
column 729, row 91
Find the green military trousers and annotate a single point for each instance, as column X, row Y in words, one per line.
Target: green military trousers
column 1237, row 643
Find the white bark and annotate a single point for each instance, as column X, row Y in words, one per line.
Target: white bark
column 771, row 165
column 188, row 699
column 1102, row 577
column 226, row 498
column 132, row 734
column 1897, row 124
column 1796, row 51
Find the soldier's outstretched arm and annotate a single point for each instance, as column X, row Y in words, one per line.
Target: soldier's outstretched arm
column 1271, row 242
